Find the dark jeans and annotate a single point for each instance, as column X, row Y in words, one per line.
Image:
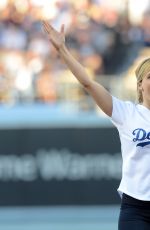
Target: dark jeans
column 134, row 214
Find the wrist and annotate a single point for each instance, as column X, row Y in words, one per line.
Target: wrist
column 62, row 49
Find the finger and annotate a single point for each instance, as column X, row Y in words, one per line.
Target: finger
column 47, row 27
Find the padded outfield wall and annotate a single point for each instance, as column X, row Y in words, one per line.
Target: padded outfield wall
column 58, row 161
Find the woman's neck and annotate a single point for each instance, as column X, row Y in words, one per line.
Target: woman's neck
column 146, row 104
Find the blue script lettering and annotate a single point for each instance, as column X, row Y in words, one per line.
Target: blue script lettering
column 148, row 136
column 140, row 135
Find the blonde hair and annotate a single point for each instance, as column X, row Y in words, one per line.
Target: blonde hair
column 140, row 72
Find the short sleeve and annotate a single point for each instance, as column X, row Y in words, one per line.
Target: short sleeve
column 121, row 111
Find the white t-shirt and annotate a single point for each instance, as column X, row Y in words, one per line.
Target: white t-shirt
column 133, row 124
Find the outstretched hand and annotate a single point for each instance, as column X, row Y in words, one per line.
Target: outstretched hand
column 56, row 38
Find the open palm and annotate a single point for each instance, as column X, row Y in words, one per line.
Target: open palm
column 56, row 38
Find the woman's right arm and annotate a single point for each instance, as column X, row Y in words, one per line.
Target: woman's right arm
column 96, row 90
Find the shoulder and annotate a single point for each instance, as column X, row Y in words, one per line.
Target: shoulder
column 122, row 110
column 123, row 104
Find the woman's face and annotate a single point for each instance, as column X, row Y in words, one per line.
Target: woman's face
column 144, row 86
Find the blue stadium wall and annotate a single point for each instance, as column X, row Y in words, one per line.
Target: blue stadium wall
column 59, row 166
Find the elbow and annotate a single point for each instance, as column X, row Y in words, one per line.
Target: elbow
column 87, row 85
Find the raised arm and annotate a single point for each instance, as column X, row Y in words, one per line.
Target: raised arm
column 96, row 90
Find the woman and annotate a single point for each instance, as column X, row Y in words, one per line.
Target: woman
column 133, row 124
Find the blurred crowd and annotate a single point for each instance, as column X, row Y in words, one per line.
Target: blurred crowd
column 101, row 38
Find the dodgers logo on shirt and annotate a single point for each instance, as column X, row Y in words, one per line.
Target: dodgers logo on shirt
column 141, row 135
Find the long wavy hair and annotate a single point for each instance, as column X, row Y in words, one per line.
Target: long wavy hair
column 140, row 72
